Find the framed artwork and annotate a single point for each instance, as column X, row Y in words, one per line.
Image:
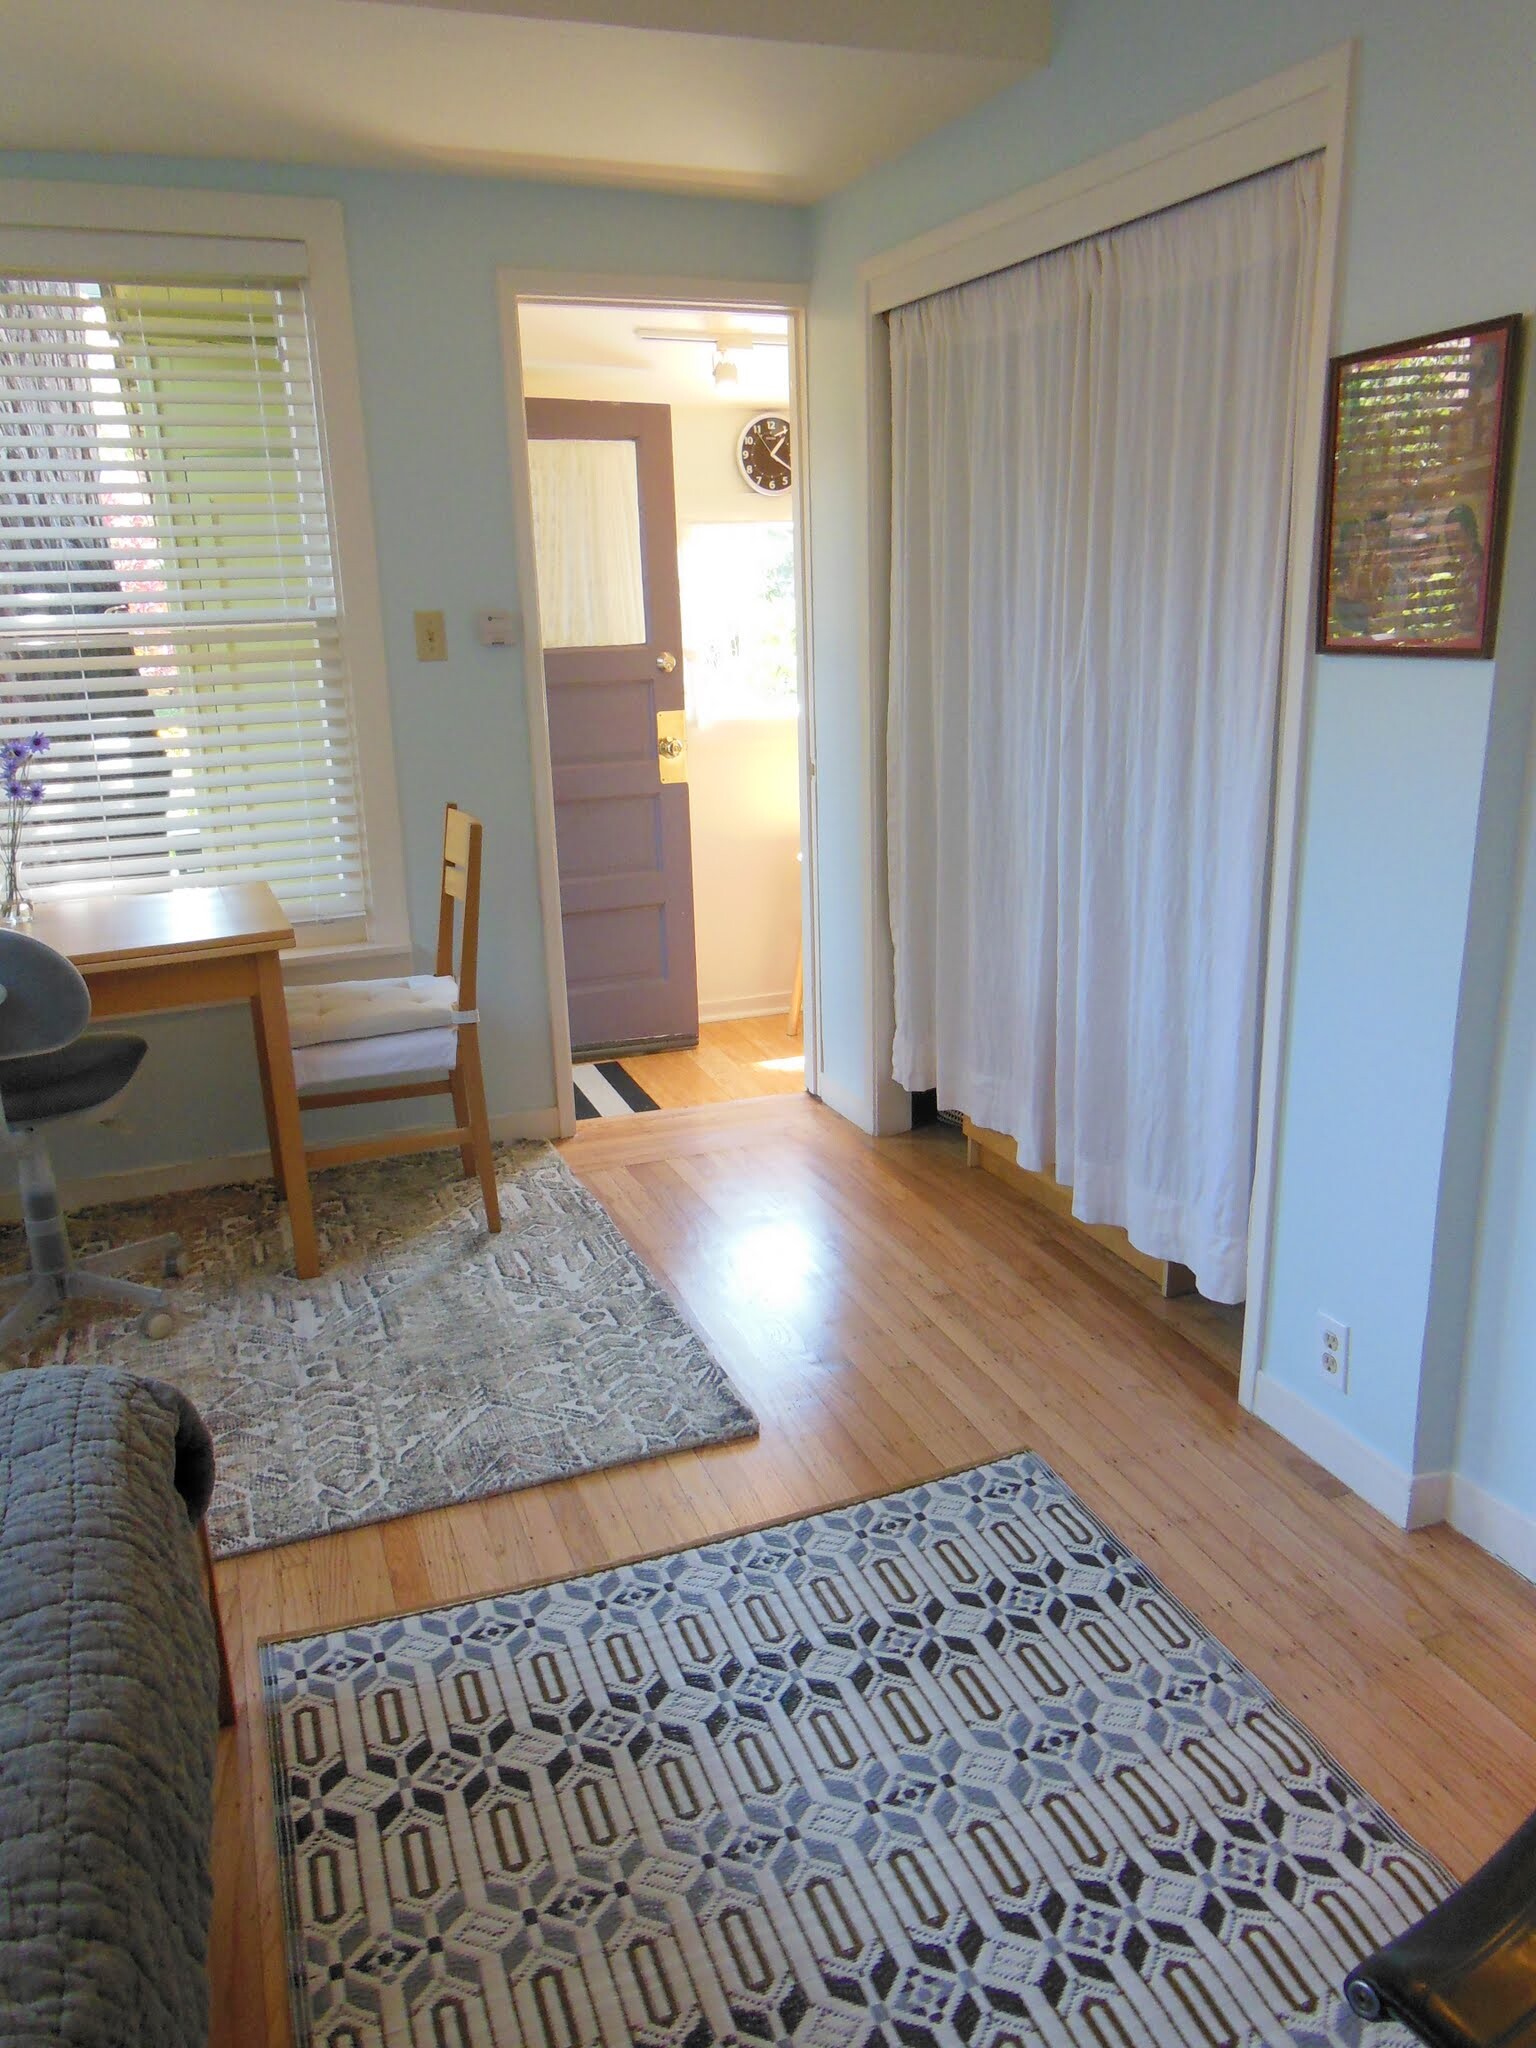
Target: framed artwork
column 1417, row 484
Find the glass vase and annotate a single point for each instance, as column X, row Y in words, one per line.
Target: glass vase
column 15, row 903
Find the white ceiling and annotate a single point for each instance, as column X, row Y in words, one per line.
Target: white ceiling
column 479, row 85
column 594, row 352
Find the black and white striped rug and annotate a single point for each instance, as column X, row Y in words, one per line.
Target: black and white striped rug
column 605, row 1088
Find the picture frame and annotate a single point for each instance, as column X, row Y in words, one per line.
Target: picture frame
column 1416, row 493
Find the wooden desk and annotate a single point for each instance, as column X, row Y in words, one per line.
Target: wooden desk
column 180, row 949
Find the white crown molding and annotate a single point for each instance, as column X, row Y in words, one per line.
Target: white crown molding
column 1006, row 31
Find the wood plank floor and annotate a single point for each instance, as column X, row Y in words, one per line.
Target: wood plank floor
column 892, row 1315
column 734, row 1061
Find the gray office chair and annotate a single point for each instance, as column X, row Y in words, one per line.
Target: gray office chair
column 47, row 1072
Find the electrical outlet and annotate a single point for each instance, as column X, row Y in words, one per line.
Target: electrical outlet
column 1333, row 1350
column 431, row 637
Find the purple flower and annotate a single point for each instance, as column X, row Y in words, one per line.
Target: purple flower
column 16, row 758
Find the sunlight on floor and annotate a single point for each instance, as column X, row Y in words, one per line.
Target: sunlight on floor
column 771, row 1263
column 793, row 1065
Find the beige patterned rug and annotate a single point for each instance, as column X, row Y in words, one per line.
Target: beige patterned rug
column 430, row 1363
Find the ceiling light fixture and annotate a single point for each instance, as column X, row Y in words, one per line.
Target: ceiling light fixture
column 726, row 371
column 734, row 338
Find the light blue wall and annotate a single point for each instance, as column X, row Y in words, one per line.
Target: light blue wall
column 1498, row 1411
column 1405, row 893
column 1439, row 227
column 423, row 252
column 1496, row 1439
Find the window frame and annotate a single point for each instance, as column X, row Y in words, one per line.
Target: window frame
column 176, row 226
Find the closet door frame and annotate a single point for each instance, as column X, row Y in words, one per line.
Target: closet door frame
column 1301, row 112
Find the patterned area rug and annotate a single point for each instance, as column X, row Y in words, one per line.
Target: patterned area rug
column 944, row 1768
column 430, row 1362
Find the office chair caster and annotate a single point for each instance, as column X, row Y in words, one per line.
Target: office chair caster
column 156, row 1323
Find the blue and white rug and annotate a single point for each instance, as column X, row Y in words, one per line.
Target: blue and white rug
column 944, row 1770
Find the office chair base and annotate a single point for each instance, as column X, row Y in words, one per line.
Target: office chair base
column 94, row 1278
column 55, row 1275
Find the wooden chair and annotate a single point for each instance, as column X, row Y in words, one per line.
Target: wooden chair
column 392, row 1040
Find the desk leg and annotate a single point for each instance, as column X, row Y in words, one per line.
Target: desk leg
column 265, row 1071
column 271, row 1020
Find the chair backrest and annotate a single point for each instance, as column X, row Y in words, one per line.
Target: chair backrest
column 44, row 1003
column 461, row 885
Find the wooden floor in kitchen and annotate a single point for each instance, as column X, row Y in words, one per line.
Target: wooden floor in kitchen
column 892, row 1315
column 734, row 1061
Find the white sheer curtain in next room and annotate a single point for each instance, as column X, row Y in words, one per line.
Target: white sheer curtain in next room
column 1091, row 492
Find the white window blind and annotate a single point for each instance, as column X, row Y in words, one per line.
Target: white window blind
column 168, row 595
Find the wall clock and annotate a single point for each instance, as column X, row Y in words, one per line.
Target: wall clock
column 762, row 453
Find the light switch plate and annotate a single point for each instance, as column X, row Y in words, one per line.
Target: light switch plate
column 431, row 636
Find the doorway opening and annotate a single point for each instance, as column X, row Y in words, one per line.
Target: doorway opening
column 665, row 515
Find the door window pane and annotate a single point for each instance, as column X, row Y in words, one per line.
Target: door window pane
column 738, row 591
column 586, row 538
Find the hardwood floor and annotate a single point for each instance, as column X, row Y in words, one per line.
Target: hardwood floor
column 733, row 1062
column 892, row 1315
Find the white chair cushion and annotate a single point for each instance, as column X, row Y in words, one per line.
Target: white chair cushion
column 397, row 1055
column 331, row 1012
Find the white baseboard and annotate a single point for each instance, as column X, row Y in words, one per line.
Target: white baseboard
column 727, row 1008
column 1414, row 1500
column 137, row 1184
column 1338, row 1450
column 1493, row 1524
column 1429, row 1499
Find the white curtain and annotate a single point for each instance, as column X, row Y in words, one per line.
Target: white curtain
column 586, row 543
column 1090, row 518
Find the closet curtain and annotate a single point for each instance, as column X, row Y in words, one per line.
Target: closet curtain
column 1090, row 518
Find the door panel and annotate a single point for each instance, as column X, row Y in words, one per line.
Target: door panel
column 623, row 830
column 605, row 539
column 602, row 722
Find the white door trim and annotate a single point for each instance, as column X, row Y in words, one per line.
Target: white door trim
column 1283, row 117
column 1298, row 113
column 588, row 288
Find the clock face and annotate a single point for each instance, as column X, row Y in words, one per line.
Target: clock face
column 763, row 453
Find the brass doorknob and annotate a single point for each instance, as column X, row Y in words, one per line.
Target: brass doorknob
column 666, row 663
column 670, row 750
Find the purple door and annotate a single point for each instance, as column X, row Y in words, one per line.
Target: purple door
column 605, row 535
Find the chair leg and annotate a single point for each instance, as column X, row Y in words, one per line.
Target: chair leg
column 479, row 1122
column 42, row 1297
column 81, row 1285
column 95, row 1278
column 122, row 1258
column 460, row 1096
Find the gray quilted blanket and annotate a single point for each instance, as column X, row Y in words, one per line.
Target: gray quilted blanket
column 108, row 1690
